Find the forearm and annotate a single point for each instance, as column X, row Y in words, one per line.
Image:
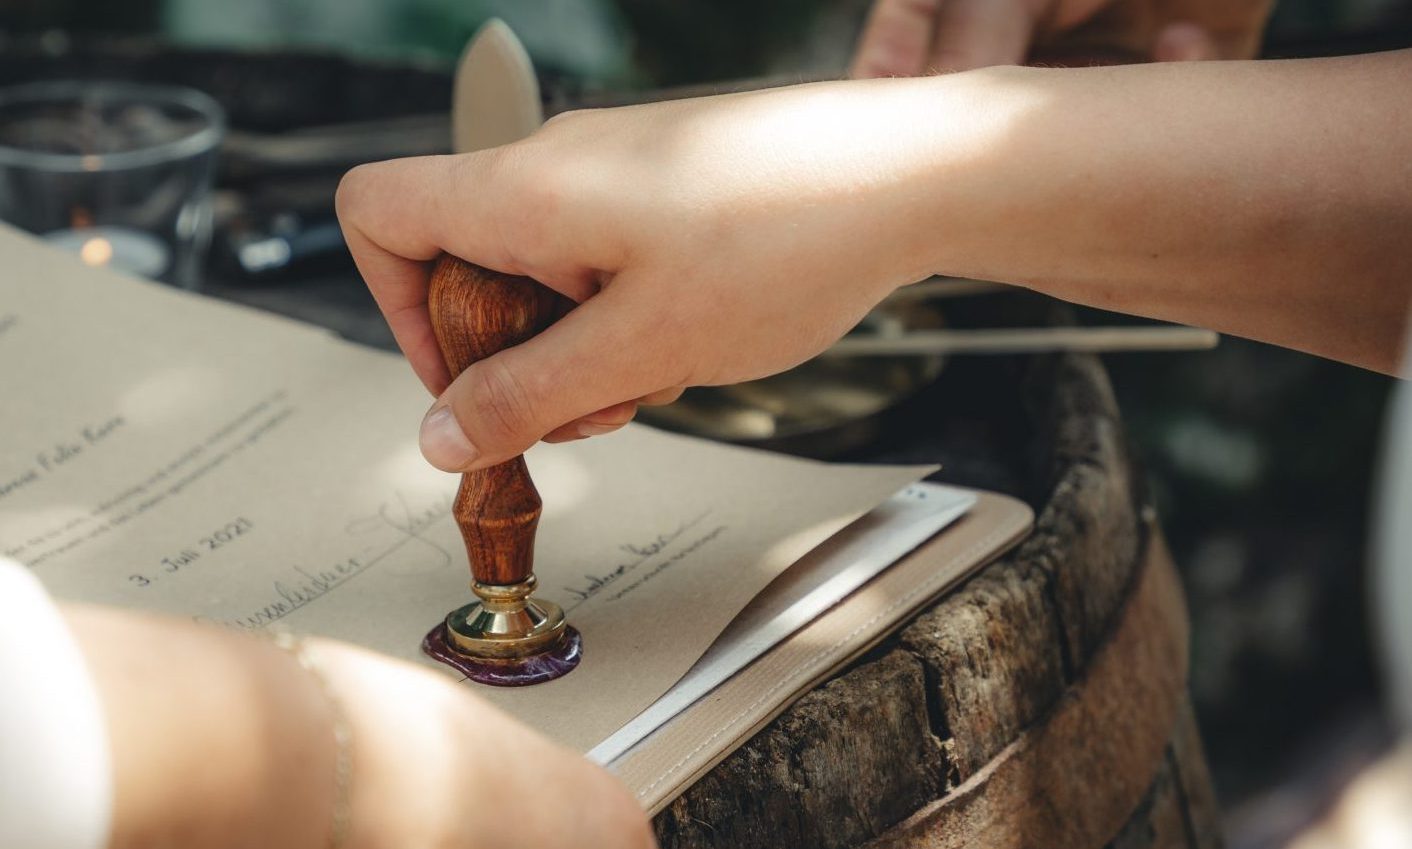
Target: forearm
column 222, row 739
column 721, row 239
column 1265, row 199
column 217, row 739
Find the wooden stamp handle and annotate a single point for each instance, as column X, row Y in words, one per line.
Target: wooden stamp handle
column 476, row 312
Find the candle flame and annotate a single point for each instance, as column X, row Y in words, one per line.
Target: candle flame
column 96, row 251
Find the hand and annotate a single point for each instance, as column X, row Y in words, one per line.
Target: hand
column 914, row 37
column 708, row 241
column 722, row 239
column 221, row 739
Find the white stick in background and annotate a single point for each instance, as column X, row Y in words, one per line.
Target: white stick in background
column 1027, row 341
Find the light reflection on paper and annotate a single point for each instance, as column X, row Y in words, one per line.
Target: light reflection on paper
column 45, row 518
column 796, row 545
column 563, row 481
column 171, row 394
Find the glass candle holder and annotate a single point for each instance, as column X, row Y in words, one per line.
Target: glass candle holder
column 118, row 173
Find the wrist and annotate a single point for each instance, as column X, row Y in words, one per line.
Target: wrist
column 338, row 728
column 968, row 183
column 406, row 787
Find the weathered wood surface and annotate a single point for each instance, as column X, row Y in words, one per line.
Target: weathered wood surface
column 1075, row 777
column 1178, row 810
column 931, row 708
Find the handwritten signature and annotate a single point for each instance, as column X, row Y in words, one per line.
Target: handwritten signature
column 411, row 524
column 640, row 553
column 302, row 586
column 301, row 591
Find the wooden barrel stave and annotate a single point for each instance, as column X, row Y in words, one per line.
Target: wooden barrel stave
column 928, row 711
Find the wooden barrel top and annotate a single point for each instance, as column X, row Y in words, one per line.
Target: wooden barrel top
column 868, row 755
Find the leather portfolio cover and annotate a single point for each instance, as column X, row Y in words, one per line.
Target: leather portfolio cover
column 663, row 765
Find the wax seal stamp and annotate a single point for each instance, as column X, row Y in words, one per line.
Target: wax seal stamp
column 506, row 637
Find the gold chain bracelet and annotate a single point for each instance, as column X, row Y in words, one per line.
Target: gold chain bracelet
column 298, row 648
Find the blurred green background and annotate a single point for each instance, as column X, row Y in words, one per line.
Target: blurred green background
column 614, row 41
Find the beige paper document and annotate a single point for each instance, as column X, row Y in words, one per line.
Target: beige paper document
column 165, row 452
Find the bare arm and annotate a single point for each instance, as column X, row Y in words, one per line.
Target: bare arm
column 1266, row 199
column 221, row 739
column 725, row 238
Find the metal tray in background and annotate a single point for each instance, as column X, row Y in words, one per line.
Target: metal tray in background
column 822, row 408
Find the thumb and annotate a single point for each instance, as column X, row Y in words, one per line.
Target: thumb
column 599, row 356
column 979, row 33
column 895, row 39
column 1184, row 42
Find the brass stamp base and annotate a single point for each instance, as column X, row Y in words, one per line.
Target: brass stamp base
column 505, row 623
column 506, row 638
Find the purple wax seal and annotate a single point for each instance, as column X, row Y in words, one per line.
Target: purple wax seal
column 559, row 660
